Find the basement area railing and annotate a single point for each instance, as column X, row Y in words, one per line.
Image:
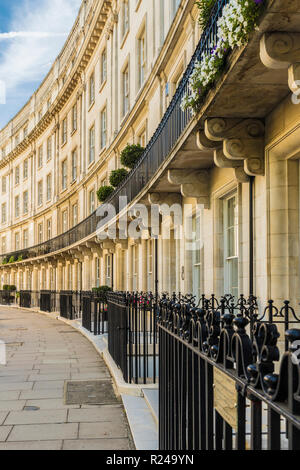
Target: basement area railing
column 224, row 381
column 133, row 336
column 169, row 131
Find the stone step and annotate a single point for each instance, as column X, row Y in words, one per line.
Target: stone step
column 141, row 421
column 151, row 398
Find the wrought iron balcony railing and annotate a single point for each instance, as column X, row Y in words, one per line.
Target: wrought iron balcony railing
column 170, row 129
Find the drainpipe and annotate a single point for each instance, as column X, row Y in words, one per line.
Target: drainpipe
column 251, row 237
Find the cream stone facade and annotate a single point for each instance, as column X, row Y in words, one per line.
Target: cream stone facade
column 238, row 160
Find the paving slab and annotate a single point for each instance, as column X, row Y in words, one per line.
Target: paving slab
column 3, row 415
column 32, row 445
column 49, row 385
column 101, row 414
column 37, row 417
column 96, row 444
column 10, row 395
column 16, row 386
column 104, row 430
column 13, row 379
column 49, row 404
column 9, row 405
column 40, row 394
column 4, row 432
column 43, row 432
column 49, row 377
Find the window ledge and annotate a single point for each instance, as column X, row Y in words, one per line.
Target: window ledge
column 91, row 106
column 102, row 85
column 125, row 36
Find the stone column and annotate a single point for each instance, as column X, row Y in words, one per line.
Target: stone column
column 75, row 275
column 144, row 266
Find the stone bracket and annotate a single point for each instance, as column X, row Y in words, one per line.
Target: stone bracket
column 243, row 144
column 281, row 50
column 193, row 183
column 164, row 198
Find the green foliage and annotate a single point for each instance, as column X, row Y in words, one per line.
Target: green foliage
column 9, row 288
column 11, row 259
column 104, row 192
column 102, row 292
column 20, row 258
column 131, row 154
column 117, row 176
column 205, row 9
column 4, row 261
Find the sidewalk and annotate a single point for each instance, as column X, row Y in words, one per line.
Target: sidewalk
column 47, row 389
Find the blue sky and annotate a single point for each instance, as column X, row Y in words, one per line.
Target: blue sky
column 32, row 33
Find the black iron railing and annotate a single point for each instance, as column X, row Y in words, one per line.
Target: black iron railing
column 7, row 297
column 25, row 298
column 218, row 388
column 94, row 313
column 70, row 304
column 132, row 336
column 49, row 301
column 170, row 129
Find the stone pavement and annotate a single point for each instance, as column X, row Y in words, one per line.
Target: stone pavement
column 42, row 354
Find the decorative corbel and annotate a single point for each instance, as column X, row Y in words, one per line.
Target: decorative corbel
column 243, row 142
column 164, row 198
column 193, row 183
column 94, row 247
column 108, row 245
column 281, row 50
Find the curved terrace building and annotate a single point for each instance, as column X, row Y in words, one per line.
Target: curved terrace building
column 232, row 167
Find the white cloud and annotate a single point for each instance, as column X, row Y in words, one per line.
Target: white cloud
column 29, row 34
column 32, row 41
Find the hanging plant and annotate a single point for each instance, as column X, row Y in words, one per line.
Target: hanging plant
column 239, row 18
column 117, row 177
